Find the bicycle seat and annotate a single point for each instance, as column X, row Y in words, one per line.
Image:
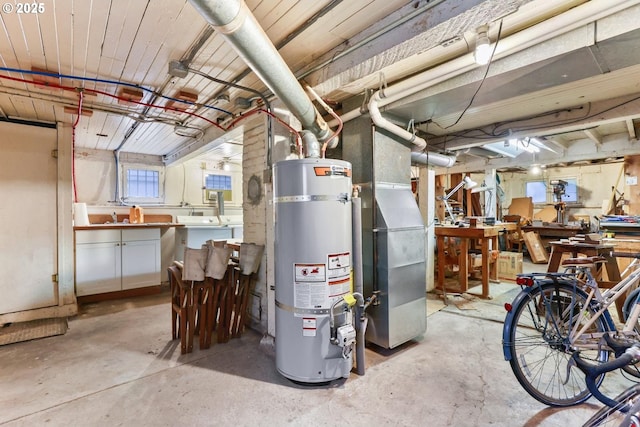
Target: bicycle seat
column 583, row 261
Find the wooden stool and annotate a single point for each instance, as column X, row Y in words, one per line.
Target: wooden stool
column 203, row 311
column 245, row 283
column 191, row 309
column 226, row 293
column 183, row 322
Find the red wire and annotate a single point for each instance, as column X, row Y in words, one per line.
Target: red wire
column 270, row 114
column 231, row 125
column 73, row 147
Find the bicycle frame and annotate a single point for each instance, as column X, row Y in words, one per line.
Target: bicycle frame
column 604, row 301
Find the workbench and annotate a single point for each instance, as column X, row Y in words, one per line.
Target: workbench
column 486, row 237
column 556, row 230
column 573, row 249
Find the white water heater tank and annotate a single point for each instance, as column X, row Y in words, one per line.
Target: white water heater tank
column 313, row 267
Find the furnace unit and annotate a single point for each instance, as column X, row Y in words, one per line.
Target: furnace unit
column 394, row 235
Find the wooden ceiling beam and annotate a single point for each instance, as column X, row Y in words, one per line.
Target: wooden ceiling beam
column 594, row 135
column 631, row 128
column 571, row 120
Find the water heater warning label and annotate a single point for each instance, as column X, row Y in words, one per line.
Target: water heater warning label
column 339, row 265
column 310, row 287
column 308, row 326
column 309, row 295
column 310, row 272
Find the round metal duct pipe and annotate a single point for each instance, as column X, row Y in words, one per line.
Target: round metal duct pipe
column 234, row 20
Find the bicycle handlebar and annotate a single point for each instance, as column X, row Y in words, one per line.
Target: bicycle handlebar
column 612, row 365
column 592, row 372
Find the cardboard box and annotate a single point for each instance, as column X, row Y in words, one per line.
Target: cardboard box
column 536, row 250
column 509, row 265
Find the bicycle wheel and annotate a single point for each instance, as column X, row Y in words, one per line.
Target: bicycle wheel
column 607, row 416
column 538, row 343
column 627, row 307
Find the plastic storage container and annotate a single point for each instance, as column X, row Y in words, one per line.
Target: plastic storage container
column 136, row 215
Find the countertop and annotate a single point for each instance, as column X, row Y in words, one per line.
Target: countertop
column 123, row 225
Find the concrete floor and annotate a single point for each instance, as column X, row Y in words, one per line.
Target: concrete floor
column 117, row 365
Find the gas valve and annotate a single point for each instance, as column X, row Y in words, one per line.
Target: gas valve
column 345, row 336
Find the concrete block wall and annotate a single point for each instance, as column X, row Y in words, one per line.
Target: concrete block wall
column 259, row 214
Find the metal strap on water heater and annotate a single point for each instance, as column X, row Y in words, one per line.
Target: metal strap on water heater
column 291, row 309
column 313, row 198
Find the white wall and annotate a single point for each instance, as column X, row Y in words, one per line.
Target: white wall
column 95, row 180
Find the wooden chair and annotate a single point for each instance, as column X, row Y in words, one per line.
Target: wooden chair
column 514, row 239
column 183, row 322
column 192, row 307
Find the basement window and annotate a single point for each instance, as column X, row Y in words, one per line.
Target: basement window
column 541, row 192
column 214, row 183
column 143, row 184
column 537, row 190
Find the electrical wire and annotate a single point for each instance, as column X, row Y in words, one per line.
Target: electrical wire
column 73, row 147
column 112, row 82
column 99, row 92
column 486, row 73
column 329, row 110
column 121, row 98
column 270, row 114
column 81, row 91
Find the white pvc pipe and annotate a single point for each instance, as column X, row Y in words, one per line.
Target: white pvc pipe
column 553, row 27
column 433, row 159
column 547, row 30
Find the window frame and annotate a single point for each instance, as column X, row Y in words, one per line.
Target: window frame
column 546, row 191
column 549, row 199
column 227, row 193
column 140, row 167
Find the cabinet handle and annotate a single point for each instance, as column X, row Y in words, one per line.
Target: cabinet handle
column 117, row 244
column 124, row 244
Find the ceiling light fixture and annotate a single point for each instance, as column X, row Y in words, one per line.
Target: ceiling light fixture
column 482, row 54
column 224, row 164
column 223, row 98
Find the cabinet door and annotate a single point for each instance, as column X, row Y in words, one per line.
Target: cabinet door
column 98, row 268
column 140, row 263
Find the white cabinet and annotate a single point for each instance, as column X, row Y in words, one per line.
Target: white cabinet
column 116, row 259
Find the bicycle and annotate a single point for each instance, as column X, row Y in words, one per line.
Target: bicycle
column 622, row 406
column 558, row 314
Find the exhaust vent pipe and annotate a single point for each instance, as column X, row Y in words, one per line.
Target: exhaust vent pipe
column 233, row 20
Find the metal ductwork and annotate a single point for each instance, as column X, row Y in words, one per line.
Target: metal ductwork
column 234, row 20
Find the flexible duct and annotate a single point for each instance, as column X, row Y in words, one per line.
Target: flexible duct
column 553, row 27
column 235, row 22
